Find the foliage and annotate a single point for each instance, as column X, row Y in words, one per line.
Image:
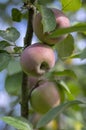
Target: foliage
column 48, row 25
column 18, row 123
column 70, row 77
column 54, row 112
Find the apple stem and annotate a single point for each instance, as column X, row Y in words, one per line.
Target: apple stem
column 27, row 42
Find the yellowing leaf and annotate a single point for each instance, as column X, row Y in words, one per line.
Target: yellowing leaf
column 71, row 5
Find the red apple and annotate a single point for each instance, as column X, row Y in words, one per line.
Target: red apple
column 37, row 59
column 61, row 20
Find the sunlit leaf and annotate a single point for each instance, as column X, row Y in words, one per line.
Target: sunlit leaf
column 53, row 113
column 17, row 123
column 11, row 34
column 71, row 5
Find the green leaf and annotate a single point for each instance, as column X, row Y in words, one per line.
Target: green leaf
column 13, row 84
column 17, row 123
column 71, row 5
column 75, row 89
column 53, row 113
column 75, row 55
column 16, row 15
column 83, row 54
column 14, row 67
column 44, row 2
column 80, row 27
column 4, row 59
column 48, row 19
column 67, row 72
column 18, row 49
column 4, row 44
column 66, row 47
column 11, row 34
column 64, row 85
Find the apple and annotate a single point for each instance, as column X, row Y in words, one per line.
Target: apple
column 61, row 22
column 45, row 97
column 37, row 59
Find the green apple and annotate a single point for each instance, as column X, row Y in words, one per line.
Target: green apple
column 45, row 97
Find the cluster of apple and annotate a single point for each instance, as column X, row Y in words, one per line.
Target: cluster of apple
column 39, row 58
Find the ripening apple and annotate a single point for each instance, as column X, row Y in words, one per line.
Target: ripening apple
column 45, row 97
column 37, row 59
column 61, row 22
